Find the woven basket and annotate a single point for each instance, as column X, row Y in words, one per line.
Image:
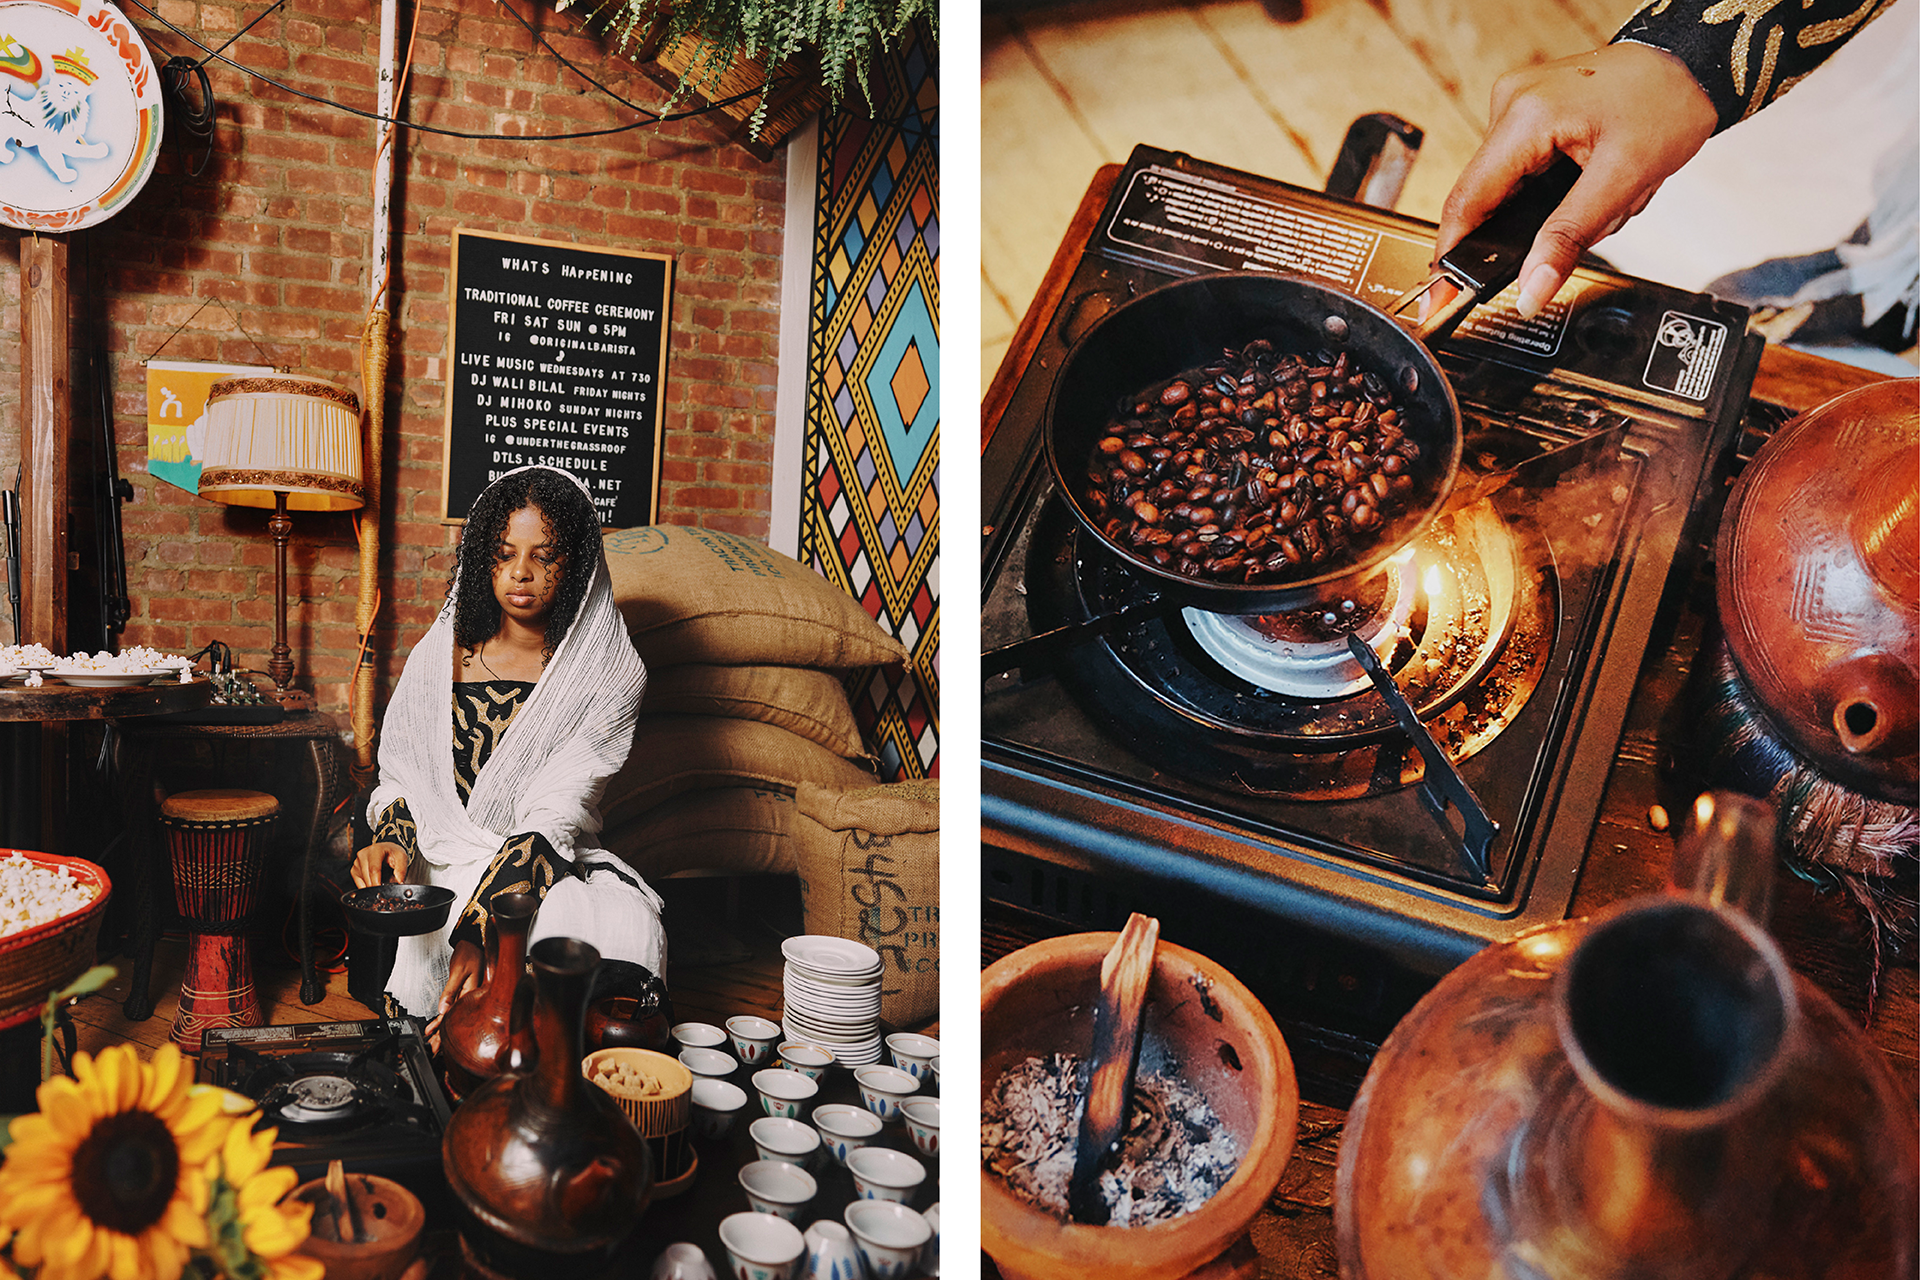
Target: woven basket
column 661, row 1118
column 40, row 961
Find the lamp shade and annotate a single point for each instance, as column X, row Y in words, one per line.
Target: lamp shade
column 282, row 434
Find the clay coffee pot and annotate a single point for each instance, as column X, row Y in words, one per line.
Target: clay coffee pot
column 544, row 1160
column 1650, row 1092
column 477, row 1035
column 1818, row 564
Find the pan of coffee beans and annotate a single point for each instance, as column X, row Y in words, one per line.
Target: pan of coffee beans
column 1250, row 441
column 397, row 910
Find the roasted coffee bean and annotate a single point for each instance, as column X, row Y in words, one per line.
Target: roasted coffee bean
column 1175, row 394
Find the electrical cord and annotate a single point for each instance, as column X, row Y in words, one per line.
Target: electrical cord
column 198, row 119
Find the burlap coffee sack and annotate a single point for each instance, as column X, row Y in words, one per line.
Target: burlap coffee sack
column 734, row 830
column 699, row 595
column 673, row 755
column 869, row 860
column 803, row 700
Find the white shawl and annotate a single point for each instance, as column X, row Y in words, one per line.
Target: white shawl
column 546, row 774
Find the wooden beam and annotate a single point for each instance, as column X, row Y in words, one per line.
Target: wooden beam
column 46, row 445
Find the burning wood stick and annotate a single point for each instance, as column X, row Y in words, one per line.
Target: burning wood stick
column 1111, row 1064
column 346, row 1217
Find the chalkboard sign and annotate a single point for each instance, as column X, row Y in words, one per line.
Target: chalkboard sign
column 559, row 357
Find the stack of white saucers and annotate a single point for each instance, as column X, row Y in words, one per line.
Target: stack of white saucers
column 833, row 996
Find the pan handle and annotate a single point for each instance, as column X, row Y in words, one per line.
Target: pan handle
column 1489, row 258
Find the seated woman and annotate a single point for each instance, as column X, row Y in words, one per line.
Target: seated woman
column 509, row 717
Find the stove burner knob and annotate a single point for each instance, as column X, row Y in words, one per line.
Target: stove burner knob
column 1606, row 331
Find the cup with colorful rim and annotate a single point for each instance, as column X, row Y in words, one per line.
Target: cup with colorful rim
column 762, row 1246
column 682, row 1261
column 844, row 1127
column 776, row 1187
column 698, row 1035
column 913, row 1054
column 889, row 1237
column 883, row 1089
column 806, row 1058
column 753, row 1039
column 784, row 1093
column 881, row 1173
column 715, row 1104
column 711, row 1063
column 831, row 1253
column 779, row 1138
column 923, row 1122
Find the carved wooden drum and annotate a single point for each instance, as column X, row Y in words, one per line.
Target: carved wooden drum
column 217, row 842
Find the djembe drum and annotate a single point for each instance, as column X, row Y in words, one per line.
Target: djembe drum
column 217, row 843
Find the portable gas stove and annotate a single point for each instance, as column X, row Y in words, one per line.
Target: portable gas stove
column 363, row 1093
column 1242, row 779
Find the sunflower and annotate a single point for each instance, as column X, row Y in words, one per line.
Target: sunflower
column 255, row 1228
column 108, row 1178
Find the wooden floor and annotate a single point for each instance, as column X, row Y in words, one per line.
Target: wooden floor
column 1069, row 87
column 730, row 939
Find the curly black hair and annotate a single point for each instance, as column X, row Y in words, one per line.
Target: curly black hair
column 572, row 524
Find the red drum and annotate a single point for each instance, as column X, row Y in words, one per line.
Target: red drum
column 217, row 842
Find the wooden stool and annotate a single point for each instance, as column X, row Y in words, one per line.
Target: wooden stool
column 217, row 842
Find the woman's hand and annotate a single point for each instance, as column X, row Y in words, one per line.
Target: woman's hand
column 463, row 975
column 1628, row 114
column 371, row 864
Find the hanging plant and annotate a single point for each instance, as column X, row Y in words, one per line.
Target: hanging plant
column 780, row 45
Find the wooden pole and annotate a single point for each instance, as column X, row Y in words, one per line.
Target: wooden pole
column 46, row 408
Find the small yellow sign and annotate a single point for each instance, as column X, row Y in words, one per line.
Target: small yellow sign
column 176, row 399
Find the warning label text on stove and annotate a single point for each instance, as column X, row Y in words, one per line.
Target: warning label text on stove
column 1686, row 351
column 1190, row 219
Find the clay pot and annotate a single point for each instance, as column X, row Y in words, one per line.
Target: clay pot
column 1819, row 587
column 1650, row 1092
column 1218, row 1039
column 629, row 1022
column 391, row 1218
column 476, row 1036
column 544, row 1159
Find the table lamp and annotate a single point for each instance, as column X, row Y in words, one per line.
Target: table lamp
column 291, row 443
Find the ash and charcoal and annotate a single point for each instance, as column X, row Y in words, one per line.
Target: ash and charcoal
column 1174, row 1154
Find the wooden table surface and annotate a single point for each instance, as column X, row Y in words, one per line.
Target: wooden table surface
column 54, row 702
column 1823, row 935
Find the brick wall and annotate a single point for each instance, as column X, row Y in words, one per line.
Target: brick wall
column 276, row 230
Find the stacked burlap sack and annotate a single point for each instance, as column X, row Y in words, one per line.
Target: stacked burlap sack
column 747, row 758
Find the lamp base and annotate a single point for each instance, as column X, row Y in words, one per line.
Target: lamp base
column 291, row 700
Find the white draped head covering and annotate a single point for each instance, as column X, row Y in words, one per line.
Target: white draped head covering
column 546, row 774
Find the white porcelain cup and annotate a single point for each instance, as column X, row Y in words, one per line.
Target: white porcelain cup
column 808, row 1059
column 779, row 1138
column 889, row 1236
column 776, row 1187
column 883, row 1089
column 930, row 1253
column 923, row 1122
column 831, row 1254
column 682, row 1262
column 783, row 1092
column 761, row 1246
column 913, row 1054
column 715, row 1064
column 753, row 1039
column 715, row 1104
column 845, row 1128
column 698, row 1035
column 881, row 1173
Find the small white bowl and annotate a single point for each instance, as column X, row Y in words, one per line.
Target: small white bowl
column 844, row 1127
column 883, row 1089
column 889, row 1236
column 682, row 1262
column 698, row 1035
column 923, row 1122
column 711, row 1063
column 808, row 1059
column 934, row 1067
column 753, row 1039
column 779, row 1188
column 881, row 1173
column 783, row 1092
column 913, row 1054
column 715, row 1104
column 761, row 1246
column 778, row 1138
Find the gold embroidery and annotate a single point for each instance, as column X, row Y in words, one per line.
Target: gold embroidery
column 482, row 710
column 1840, row 28
column 1759, row 98
column 1750, row 12
column 396, row 826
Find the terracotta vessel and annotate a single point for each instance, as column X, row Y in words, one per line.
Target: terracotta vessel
column 1650, row 1092
column 1214, row 1035
column 390, row 1218
column 544, row 1160
column 476, row 1036
column 1819, row 587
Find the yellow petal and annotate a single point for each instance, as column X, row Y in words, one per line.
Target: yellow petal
column 74, row 1244
column 200, row 1129
column 169, row 1255
column 271, row 1237
column 297, row 1267
column 183, row 1222
column 126, row 1259
column 245, row 1153
column 33, row 1201
column 267, row 1188
column 66, row 1108
column 164, row 1080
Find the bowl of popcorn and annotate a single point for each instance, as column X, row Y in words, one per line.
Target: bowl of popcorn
column 135, row 666
column 656, row 1092
column 50, row 911
column 28, row 660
